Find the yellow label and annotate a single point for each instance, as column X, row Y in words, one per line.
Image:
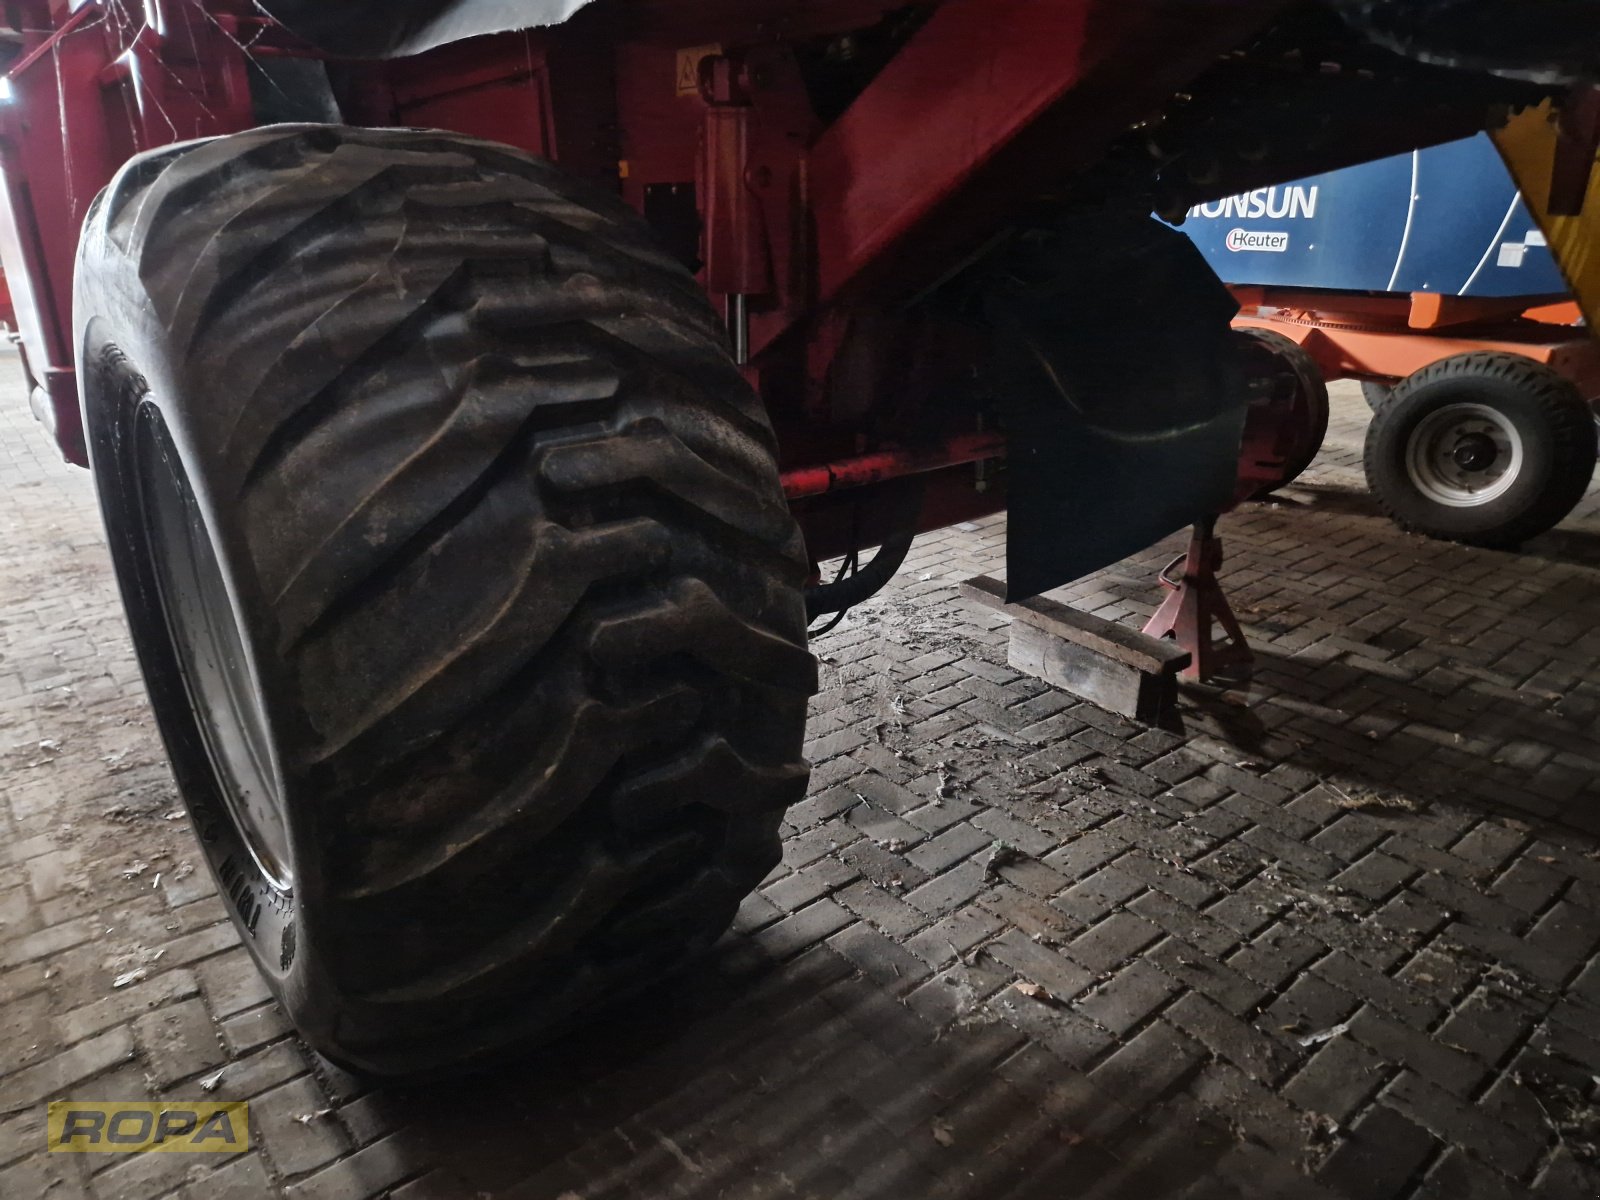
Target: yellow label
column 689, row 67
column 169, row 1127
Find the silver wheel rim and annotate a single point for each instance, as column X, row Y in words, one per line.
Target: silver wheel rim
column 1464, row 455
column 209, row 646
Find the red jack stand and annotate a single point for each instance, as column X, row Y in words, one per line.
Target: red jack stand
column 1196, row 602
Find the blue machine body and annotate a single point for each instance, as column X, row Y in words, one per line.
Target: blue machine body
column 1447, row 219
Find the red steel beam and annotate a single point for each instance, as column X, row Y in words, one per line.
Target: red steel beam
column 992, row 103
column 883, row 465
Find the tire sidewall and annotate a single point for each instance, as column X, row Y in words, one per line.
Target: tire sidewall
column 269, row 921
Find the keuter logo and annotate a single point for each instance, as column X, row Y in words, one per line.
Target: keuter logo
column 1251, row 239
column 176, row 1127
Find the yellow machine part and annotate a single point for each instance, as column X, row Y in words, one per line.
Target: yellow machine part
column 1528, row 143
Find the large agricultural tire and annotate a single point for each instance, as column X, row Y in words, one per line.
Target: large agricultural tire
column 1376, row 394
column 456, row 559
column 1486, row 448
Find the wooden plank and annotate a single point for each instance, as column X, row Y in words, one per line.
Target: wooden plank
column 1128, row 646
column 1115, row 686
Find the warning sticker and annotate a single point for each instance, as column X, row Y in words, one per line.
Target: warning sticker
column 689, row 67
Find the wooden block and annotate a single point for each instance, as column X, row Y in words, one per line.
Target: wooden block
column 1115, row 686
column 1117, row 642
column 1122, row 670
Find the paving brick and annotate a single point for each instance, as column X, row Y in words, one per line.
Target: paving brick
column 755, row 912
column 1207, row 976
column 50, row 1078
column 1095, row 896
column 945, row 892
column 1084, row 854
column 1566, row 933
column 1376, row 875
column 941, row 813
column 1058, row 975
column 1069, row 1036
column 1249, row 1107
column 1393, row 998
column 1456, row 1176
column 1113, row 941
column 1380, row 1157
column 1129, row 998
column 42, row 1176
column 1468, row 901
column 1529, row 885
column 48, row 942
column 1153, row 1063
column 1246, row 1047
column 255, row 1072
column 1184, row 886
column 801, row 929
column 1033, row 876
column 231, row 983
column 881, row 825
column 841, row 741
column 1449, row 1068
column 879, row 957
column 1489, row 847
column 1030, row 915
column 92, row 1018
column 809, row 883
column 954, row 935
column 1184, row 922
column 880, row 903
column 255, row 1028
column 178, row 1041
column 1309, row 1004
column 1276, row 955
column 1457, row 1121
column 1486, row 1026
column 367, row 1172
column 950, row 847
column 1338, row 1078
column 1515, row 952
column 146, row 1176
column 296, row 1125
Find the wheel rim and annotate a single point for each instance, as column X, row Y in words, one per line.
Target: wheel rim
column 1464, row 455
column 209, row 645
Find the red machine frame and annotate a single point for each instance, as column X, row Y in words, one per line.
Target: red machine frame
column 802, row 229
column 813, row 238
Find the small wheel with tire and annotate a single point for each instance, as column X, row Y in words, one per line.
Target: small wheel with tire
column 1485, row 448
column 456, row 559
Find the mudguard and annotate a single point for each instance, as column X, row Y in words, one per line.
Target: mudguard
column 1117, row 377
column 390, row 28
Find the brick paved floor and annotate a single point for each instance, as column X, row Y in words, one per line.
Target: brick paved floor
column 1388, row 837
